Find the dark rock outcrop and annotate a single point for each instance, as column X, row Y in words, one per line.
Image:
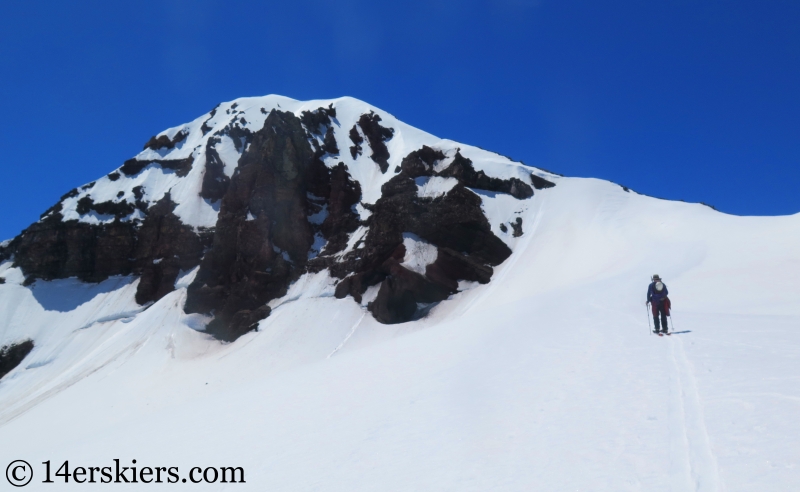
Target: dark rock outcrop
column 540, row 183
column 164, row 247
column 53, row 248
column 157, row 248
column 215, row 181
column 117, row 209
column 462, row 169
column 357, row 139
column 320, row 123
column 12, row 355
column 377, row 135
column 164, row 142
column 134, row 166
column 263, row 236
column 454, row 223
column 317, row 121
column 517, row 226
column 205, row 128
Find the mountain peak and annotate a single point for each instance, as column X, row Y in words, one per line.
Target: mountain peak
column 260, row 191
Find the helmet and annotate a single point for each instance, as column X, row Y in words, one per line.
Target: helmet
column 659, row 286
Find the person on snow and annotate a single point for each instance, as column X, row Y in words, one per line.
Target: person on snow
column 659, row 302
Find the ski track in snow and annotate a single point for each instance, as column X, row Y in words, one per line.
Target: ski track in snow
column 349, row 335
column 693, row 464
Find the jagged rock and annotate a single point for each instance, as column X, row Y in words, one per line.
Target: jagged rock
column 540, row 183
column 117, row 209
column 451, row 266
column 57, row 208
column 454, row 223
column 12, row 355
column 317, row 121
column 132, row 167
column 262, row 236
column 357, row 140
column 342, row 219
column 53, row 248
column 138, row 194
column 205, row 128
column 330, row 145
column 517, row 226
column 462, row 169
column 215, row 181
column 402, row 292
column 164, row 142
column 420, row 162
column 164, row 247
column 377, row 135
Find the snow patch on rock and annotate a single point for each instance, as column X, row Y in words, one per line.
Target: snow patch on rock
column 419, row 253
column 431, row 187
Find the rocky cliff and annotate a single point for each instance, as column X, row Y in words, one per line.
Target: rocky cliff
column 253, row 195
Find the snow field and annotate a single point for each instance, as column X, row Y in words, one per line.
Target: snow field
column 544, row 379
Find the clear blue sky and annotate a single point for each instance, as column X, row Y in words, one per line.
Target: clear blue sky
column 692, row 100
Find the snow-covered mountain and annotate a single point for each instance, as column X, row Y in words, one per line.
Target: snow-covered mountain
column 243, row 201
column 334, row 300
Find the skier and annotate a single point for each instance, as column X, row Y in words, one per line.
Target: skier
column 659, row 303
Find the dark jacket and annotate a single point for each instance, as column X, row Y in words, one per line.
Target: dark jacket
column 655, row 296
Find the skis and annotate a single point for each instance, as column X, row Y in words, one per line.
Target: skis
column 661, row 334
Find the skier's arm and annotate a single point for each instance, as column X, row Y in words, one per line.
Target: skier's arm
column 649, row 293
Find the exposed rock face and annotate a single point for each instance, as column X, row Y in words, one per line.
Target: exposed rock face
column 266, row 225
column 462, row 169
column 283, row 203
column 157, row 248
column 376, row 135
column 164, row 142
column 517, row 226
column 215, row 181
column 263, row 235
column 453, row 223
column 53, row 248
column 132, row 167
column 540, row 183
column 12, row 355
column 164, row 247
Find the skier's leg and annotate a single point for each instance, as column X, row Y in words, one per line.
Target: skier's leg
column 665, row 326
column 654, row 310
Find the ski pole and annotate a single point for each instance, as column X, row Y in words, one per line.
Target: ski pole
column 648, row 317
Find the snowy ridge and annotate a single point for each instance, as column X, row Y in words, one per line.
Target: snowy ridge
column 249, row 113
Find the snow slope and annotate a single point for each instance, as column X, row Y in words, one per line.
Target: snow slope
column 547, row 378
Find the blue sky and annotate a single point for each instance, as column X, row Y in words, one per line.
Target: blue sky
column 691, row 100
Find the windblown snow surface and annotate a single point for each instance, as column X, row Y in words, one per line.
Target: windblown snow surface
column 547, row 378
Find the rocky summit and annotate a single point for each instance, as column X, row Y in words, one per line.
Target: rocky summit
column 247, row 199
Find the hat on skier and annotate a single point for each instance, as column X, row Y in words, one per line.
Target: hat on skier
column 656, row 277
